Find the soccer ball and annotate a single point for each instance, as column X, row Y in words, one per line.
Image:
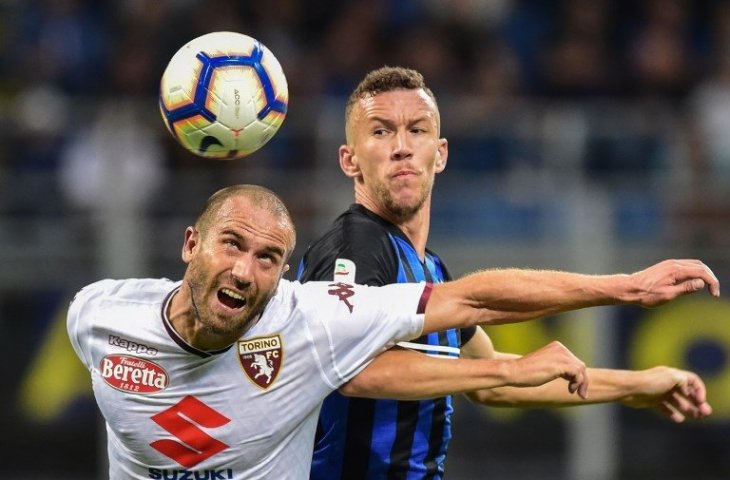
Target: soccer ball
column 223, row 95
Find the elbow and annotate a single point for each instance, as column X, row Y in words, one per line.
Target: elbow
column 364, row 385
column 353, row 388
column 493, row 397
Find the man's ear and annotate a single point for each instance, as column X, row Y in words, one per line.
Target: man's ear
column 192, row 238
column 348, row 161
column 442, row 155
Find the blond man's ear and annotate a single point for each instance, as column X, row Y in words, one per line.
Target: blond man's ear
column 348, row 161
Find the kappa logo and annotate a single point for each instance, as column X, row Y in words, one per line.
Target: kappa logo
column 132, row 346
column 343, row 291
column 261, row 359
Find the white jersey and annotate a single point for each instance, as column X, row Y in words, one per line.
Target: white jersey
column 246, row 412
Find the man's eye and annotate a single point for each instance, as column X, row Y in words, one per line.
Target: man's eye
column 268, row 259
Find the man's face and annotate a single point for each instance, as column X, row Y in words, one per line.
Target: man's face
column 234, row 268
column 393, row 139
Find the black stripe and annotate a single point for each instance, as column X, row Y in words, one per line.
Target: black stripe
column 427, row 274
column 435, row 439
column 360, row 419
column 403, row 260
column 403, row 443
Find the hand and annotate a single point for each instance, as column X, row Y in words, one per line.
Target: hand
column 677, row 394
column 548, row 363
column 670, row 279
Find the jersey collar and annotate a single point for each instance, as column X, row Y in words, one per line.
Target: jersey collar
column 176, row 336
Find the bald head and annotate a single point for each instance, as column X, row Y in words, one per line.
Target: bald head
column 259, row 197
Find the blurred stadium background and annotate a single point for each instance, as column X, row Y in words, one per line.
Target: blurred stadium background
column 584, row 135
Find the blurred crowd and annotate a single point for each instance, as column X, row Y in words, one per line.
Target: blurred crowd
column 570, row 48
column 676, row 52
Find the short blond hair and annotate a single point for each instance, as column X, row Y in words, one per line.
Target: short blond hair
column 387, row 79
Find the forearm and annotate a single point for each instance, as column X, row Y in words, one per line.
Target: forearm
column 493, row 297
column 606, row 385
column 403, row 374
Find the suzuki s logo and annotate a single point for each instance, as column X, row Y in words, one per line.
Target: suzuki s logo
column 183, row 420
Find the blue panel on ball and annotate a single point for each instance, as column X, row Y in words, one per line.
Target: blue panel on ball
column 209, row 64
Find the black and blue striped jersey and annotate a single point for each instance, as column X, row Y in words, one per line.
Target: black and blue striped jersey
column 364, row 438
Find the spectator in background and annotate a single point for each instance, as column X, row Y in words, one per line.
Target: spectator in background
column 703, row 206
column 660, row 51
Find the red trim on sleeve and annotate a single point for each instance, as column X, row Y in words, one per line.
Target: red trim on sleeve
column 424, row 298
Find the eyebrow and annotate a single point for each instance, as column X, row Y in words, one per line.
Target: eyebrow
column 268, row 248
column 387, row 122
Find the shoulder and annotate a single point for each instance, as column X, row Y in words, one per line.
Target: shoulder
column 135, row 290
column 350, row 231
column 357, row 236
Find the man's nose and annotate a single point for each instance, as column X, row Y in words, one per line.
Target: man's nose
column 402, row 146
column 242, row 271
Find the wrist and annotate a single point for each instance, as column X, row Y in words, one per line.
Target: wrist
column 625, row 292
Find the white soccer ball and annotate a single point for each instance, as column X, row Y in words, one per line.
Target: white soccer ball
column 223, row 95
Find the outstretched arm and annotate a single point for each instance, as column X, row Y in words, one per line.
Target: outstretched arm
column 407, row 375
column 502, row 379
column 675, row 393
column 493, row 297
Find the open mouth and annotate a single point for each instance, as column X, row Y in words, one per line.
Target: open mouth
column 231, row 299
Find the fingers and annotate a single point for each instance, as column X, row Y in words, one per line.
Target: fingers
column 583, row 388
column 695, row 389
column 687, row 399
column 670, row 279
column 667, row 410
column 691, row 397
column 678, row 408
column 548, row 363
column 576, row 373
column 694, row 275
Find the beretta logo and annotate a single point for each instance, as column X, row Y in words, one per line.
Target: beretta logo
column 132, row 374
column 261, row 359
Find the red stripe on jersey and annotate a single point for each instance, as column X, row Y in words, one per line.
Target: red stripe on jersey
column 424, row 298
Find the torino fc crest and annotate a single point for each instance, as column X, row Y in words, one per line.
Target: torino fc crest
column 261, row 359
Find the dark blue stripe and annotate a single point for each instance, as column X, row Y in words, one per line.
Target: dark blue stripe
column 329, row 452
column 385, row 423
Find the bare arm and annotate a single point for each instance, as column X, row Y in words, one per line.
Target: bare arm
column 503, row 379
column 493, row 297
column 407, row 375
column 677, row 394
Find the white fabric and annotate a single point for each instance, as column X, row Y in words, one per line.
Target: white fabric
column 118, row 327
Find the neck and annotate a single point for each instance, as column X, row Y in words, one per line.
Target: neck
column 184, row 319
column 415, row 226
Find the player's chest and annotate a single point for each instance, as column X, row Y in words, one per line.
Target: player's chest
column 176, row 409
column 261, row 368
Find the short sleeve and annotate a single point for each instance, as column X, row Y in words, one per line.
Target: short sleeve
column 351, row 324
